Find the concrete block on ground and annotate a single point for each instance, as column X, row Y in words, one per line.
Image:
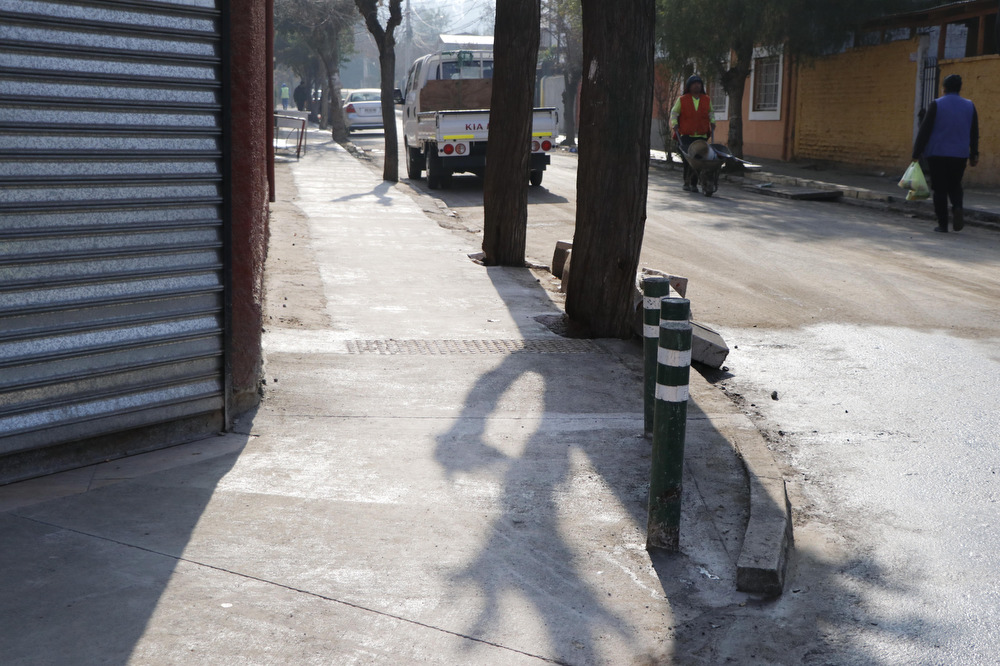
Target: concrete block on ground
column 707, row 346
column 564, row 273
column 871, row 195
column 559, row 257
column 764, row 558
column 677, row 283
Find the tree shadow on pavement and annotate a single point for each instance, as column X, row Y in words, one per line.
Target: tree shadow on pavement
column 566, row 544
column 531, row 560
column 379, row 192
column 466, row 191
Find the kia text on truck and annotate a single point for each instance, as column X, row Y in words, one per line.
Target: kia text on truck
column 446, row 118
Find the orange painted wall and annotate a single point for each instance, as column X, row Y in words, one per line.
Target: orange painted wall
column 857, row 107
column 981, row 84
column 764, row 138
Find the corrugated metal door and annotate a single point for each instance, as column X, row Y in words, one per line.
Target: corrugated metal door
column 112, row 201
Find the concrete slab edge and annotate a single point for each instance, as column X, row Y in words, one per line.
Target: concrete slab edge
column 763, row 560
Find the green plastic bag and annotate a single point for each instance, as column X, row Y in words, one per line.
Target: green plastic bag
column 914, row 181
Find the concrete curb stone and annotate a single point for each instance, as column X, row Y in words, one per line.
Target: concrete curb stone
column 763, row 559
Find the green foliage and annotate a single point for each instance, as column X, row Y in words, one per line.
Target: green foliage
column 708, row 32
column 313, row 28
column 563, row 21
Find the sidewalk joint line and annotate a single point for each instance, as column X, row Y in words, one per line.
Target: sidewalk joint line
column 290, row 588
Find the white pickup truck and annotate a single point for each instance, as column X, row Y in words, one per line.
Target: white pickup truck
column 446, row 118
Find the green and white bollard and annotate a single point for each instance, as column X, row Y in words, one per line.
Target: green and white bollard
column 653, row 289
column 673, row 372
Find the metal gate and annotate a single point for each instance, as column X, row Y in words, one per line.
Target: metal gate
column 112, row 218
column 928, row 83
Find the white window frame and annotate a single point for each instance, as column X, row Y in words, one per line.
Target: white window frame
column 767, row 53
column 721, row 107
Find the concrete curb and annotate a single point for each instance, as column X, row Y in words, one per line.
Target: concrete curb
column 764, row 557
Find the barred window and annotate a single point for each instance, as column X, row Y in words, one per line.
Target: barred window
column 720, row 101
column 767, row 83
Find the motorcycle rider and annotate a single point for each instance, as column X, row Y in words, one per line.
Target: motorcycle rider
column 692, row 118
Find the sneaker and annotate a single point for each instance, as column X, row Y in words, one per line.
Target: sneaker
column 687, row 188
column 943, row 230
column 957, row 218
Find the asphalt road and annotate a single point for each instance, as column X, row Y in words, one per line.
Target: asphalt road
column 881, row 340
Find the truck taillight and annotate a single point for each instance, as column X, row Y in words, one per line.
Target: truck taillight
column 461, row 148
column 350, row 109
column 546, row 145
column 534, row 146
column 448, row 149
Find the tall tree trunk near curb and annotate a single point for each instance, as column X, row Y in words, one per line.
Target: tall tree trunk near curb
column 616, row 110
column 734, row 81
column 333, row 117
column 505, row 188
column 386, row 41
column 387, row 67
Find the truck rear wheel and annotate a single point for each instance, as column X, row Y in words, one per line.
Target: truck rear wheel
column 414, row 163
column 535, row 178
column 438, row 175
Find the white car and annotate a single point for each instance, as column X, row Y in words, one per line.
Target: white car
column 363, row 109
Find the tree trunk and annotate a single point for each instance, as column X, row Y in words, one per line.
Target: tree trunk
column 735, row 84
column 386, row 42
column 324, row 117
column 735, row 139
column 387, row 66
column 505, row 189
column 333, row 117
column 572, row 81
column 616, row 110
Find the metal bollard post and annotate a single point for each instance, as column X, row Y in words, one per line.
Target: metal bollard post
column 669, row 420
column 653, row 289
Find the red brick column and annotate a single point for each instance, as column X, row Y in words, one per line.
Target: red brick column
column 250, row 73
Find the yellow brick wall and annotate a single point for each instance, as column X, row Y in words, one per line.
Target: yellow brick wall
column 981, row 84
column 857, row 107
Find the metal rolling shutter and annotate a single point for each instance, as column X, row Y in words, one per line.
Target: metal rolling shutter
column 111, row 217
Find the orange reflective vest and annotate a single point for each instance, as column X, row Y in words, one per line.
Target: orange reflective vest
column 694, row 122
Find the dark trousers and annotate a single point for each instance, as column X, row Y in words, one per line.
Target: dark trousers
column 946, row 181
column 690, row 175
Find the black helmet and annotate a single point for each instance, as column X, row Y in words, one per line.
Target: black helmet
column 694, row 78
column 952, row 83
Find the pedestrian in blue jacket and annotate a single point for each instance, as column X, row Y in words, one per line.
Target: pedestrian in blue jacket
column 949, row 138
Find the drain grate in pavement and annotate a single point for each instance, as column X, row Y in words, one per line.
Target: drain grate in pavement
column 471, row 347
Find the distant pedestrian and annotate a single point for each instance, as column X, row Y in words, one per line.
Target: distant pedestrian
column 284, row 96
column 300, row 95
column 948, row 138
column 692, row 118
